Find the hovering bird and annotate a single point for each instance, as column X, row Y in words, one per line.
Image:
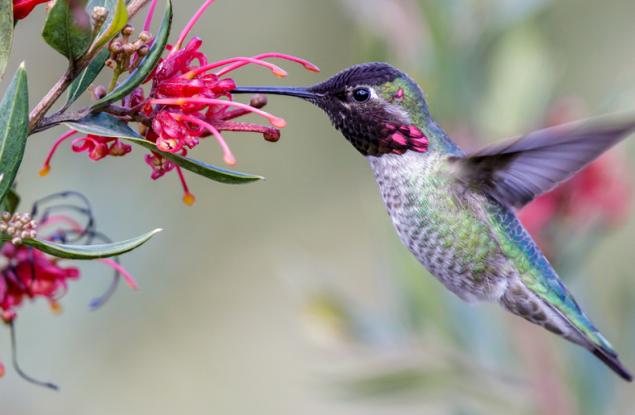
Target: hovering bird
column 455, row 210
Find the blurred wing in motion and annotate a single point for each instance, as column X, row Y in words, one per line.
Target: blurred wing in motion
column 515, row 172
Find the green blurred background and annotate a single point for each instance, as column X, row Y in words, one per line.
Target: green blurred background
column 294, row 295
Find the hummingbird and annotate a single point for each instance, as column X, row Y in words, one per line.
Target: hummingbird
column 455, row 210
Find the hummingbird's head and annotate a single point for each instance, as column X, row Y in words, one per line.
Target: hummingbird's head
column 378, row 108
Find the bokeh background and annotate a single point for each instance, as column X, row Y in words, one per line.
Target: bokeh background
column 294, row 295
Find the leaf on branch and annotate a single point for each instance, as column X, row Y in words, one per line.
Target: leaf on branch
column 90, row 251
column 10, row 202
column 146, row 66
column 117, row 19
column 106, row 125
column 67, row 28
column 6, row 33
column 88, row 75
column 14, row 121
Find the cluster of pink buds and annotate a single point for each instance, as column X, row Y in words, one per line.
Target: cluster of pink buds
column 189, row 98
column 18, row 226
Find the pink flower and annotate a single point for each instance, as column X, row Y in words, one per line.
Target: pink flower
column 159, row 165
column 30, row 274
column 99, row 147
column 188, row 99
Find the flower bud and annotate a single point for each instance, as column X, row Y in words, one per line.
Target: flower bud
column 99, row 15
column 100, row 91
column 145, row 36
column 115, row 47
column 128, row 49
column 258, row 101
column 272, row 135
column 143, row 50
column 127, row 30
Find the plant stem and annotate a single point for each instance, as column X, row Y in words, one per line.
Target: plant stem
column 135, row 6
column 115, row 77
column 74, row 69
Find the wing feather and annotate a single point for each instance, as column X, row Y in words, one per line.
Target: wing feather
column 516, row 171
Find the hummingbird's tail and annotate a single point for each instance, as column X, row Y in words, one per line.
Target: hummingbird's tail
column 573, row 326
column 609, row 358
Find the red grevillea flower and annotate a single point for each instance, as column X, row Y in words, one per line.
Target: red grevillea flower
column 29, row 274
column 189, row 99
column 99, row 147
column 22, row 8
column 599, row 194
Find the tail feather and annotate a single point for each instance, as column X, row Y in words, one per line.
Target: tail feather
column 520, row 300
column 610, row 359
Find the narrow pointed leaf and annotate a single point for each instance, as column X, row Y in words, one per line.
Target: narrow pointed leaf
column 201, row 168
column 88, row 75
column 6, row 33
column 117, row 19
column 14, row 120
column 67, row 28
column 89, row 251
column 146, row 66
column 10, row 202
column 106, row 125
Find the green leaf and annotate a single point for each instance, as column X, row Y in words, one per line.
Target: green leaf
column 106, row 125
column 117, row 19
column 14, row 121
column 89, row 251
column 146, row 66
column 88, row 75
column 10, row 202
column 201, row 168
column 6, row 33
column 67, row 28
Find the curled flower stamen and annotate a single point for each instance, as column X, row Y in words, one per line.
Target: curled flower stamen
column 275, row 121
column 16, row 365
column 46, row 167
column 122, row 271
column 188, row 198
column 228, row 156
column 188, row 27
column 50, row 220
column 278, row 71
column 308, row 65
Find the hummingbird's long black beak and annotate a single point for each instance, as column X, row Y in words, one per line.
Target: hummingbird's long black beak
column 299, row 92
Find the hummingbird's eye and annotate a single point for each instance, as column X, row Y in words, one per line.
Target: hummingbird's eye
column 361, row 94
